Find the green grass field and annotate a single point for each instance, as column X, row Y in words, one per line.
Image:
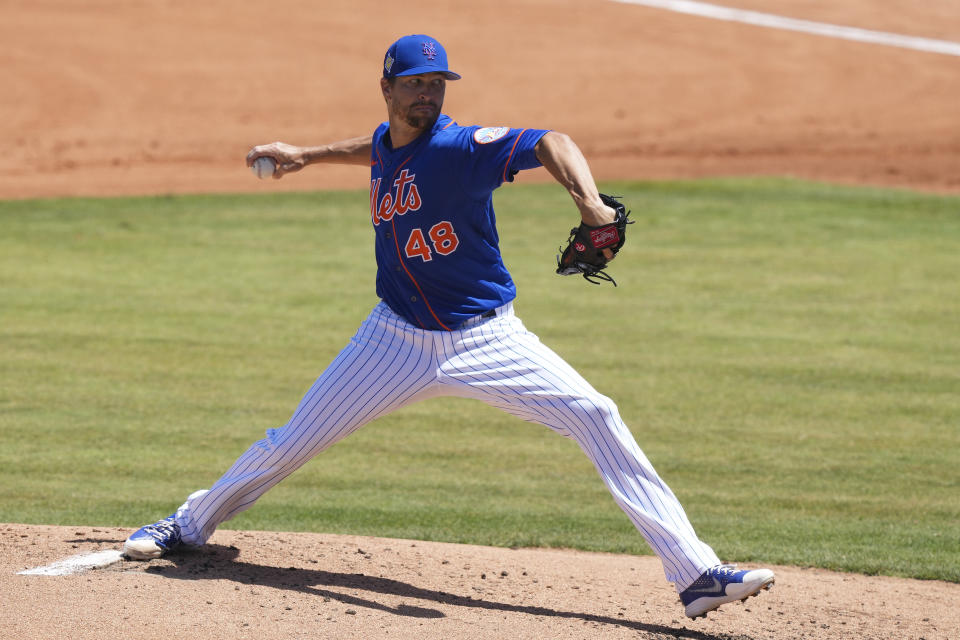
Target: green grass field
column 786, row 353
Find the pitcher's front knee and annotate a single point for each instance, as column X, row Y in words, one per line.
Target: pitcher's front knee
column 597, row 409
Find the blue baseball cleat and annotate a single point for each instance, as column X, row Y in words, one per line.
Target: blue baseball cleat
column 723, row 584
column 153, row 540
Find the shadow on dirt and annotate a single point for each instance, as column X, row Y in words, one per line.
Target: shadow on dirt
column 218, row 562
column 113, row 541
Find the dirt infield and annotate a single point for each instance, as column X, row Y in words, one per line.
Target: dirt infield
column 166, row 96
column 282, row 585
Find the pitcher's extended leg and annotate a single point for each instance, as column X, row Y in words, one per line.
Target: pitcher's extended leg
column 508, row 367
column 384, row 367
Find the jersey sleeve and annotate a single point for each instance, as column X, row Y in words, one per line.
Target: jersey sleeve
column 497, row 154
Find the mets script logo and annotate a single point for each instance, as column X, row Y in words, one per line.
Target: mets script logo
column 487, row 135
column 402, row 198
column 429, row 50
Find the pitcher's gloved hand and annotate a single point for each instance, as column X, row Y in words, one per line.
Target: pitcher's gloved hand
column 587, row 248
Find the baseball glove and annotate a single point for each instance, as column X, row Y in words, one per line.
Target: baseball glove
column 584, row 253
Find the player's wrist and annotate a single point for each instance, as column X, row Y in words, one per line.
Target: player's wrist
column 596, row 213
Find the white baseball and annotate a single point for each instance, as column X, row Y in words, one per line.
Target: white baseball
column 263, row 167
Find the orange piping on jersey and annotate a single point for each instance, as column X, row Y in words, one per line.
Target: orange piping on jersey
column 510, row 157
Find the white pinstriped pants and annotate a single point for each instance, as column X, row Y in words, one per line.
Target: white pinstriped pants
column 389, row 363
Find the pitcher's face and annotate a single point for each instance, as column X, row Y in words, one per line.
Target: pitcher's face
column 415, row 100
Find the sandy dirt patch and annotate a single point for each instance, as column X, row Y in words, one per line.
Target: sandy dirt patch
column 167, row 96
column 267, row 585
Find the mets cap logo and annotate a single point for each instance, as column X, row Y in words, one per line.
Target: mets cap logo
column 487, row 135
column 429, row 50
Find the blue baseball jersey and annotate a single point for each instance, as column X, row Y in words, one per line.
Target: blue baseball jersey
column 431, row 203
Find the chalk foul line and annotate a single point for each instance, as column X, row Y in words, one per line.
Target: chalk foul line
column 76, row 564
column 757, row 18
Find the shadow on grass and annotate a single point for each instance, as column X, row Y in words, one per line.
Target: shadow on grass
column 218, row 562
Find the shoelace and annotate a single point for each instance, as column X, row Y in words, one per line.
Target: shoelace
column 164, row 528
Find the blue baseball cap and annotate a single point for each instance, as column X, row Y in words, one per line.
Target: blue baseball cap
column 412, row 55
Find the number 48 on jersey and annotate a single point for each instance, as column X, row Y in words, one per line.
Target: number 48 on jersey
column 440, row 239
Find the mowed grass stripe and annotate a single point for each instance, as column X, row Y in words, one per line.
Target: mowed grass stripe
column 787, row 354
